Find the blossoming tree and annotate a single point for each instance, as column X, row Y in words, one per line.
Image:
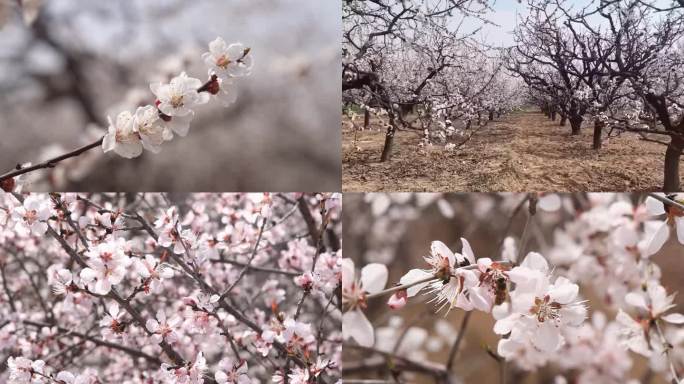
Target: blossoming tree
column 156, row 288
column 617, row 62
column 415, row 63
column 570, row 290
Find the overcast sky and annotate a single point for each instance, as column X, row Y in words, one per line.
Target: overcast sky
column 505, row 16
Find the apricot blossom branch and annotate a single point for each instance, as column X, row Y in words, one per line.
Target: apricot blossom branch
column 149, row 126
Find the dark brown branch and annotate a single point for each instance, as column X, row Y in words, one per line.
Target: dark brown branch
column 131, row 351
column 52, row 162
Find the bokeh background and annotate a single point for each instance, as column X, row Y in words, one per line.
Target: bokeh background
column 397, row 229
column 63, row 73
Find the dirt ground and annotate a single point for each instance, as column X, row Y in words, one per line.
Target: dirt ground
column 523, row 151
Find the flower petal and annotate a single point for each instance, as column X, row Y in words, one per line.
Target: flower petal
column 674, row 318
column 547, row 338
column 468, row 251
column 658, row 239
column 355, row 325
column 549, row 202
column 437, row 248
column 413, row 276
column 654, row 206
column 679, row 223
column 374, row 277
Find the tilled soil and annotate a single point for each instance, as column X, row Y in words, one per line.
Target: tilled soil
column 523, row 151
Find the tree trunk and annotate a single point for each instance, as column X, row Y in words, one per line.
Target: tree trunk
column 491, row 115
column 598, row 130
column 389, row 138
column 553, row 114
column 479, row 118
column 575, row 124
column 672, row 155
column 563, row 120
column 366, row 119
column 498, row 114
column 467, row 125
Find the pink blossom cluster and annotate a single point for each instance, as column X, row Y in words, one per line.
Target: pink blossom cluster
column 156, row 288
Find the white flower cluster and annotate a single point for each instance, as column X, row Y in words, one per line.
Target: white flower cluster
column 538, row 314
column 26, row 371
column 151, row 125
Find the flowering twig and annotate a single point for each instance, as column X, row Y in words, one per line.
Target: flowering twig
column 421, row 281
column 131, row 351
column 667, row 350
column 175, row 357
column 249, row 261
column 400, row 287
column 211, row 290
column 151, row 125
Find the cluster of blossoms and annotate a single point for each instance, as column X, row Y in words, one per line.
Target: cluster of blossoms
column 181, row 289
column 149, row 126
column 602, row 244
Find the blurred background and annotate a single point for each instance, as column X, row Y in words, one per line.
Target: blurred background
column 397, row 229
column 66, row 64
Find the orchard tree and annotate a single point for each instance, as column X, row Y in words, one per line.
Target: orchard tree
column 394, row 49
column 646, row 56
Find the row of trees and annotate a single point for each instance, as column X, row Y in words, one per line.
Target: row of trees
column 618, row 63
column 415, row 61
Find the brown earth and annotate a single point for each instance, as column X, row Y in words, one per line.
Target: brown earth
column 523, row 151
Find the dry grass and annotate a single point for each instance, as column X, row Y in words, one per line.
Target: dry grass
column 520, row 152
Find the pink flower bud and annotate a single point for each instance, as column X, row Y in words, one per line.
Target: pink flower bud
column 398, row 300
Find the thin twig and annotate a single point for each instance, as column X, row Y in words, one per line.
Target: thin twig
column 459, row 338
column 249, row 261
column 136, row 352
column 400, row 287
column 667, row 346
column 51, row 163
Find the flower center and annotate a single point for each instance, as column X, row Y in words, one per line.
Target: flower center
column 545, row 309
column 124, row 135
column 223, row 62
column 165, row 330
column 177, row 101
column 106, row 256
column 354, row 297
column 31, row 216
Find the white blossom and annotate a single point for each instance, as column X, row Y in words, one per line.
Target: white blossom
column 122, row 137
column 227, row 61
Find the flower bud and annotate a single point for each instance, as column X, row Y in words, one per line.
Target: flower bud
column 8, row 185
column 397, row 300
